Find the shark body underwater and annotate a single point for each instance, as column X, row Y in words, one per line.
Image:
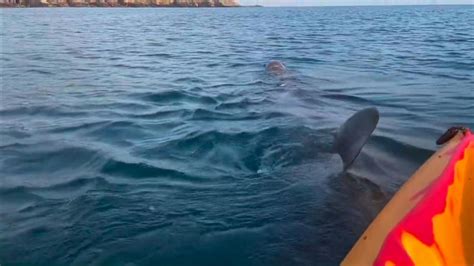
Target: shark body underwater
column 428, row 221
column 352, row 134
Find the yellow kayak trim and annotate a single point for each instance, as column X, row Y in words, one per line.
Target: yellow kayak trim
column 430, row 220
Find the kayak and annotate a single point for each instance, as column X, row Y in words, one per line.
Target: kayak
column 430, row 220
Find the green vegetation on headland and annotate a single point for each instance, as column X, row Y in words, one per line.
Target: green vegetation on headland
column 118, row 3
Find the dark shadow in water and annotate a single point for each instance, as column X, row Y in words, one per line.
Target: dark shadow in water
column 349, row 205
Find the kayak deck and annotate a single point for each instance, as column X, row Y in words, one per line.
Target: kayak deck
column 429, row 221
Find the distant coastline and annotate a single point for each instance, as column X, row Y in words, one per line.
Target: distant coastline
column 118, row 3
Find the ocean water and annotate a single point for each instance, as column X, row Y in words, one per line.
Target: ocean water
column 155, row 136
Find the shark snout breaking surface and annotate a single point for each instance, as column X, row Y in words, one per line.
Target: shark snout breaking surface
column 275, row 67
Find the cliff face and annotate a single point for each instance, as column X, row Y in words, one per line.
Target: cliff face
column 206, row 3
column 132, row 3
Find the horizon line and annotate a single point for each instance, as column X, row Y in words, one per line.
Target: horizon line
column 364, row 5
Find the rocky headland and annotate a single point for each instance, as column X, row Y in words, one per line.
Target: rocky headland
column 118, row 3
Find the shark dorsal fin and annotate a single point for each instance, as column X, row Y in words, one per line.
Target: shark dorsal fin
column 354, row 133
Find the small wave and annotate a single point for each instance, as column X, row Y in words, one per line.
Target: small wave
column 253, row 83
column 402, row 150
column 19, row 193
column 47, row 111
column 131, row 106
column 17, row 198
column 348, row 98
column 245, row 65
column 127, row 66
column 203, row 114
column 40, row 71
column 303, row 59
column 165, row 114
column 209, row 115
column 170, row 97
column 84, row 56
column 84, row 126
column 47, row 158
column 439, row 75
column 241, row 104
column 159, row 55
column 123, row 132
column 190, row 80
column 143, row 170
column 68, row 189
column 213, row 64
column 155, row 44
column 14, row 133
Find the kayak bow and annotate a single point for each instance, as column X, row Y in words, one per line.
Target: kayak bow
column 430, row 220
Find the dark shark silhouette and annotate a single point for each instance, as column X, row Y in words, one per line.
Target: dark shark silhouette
column 352, row 134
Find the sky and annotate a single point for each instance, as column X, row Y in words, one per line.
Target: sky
column 352, row 2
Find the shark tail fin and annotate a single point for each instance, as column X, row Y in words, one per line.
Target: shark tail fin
column 354, row 133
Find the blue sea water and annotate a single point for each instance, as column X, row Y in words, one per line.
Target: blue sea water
column 155, row 136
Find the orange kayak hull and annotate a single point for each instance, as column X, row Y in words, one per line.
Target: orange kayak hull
column 429, row 221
